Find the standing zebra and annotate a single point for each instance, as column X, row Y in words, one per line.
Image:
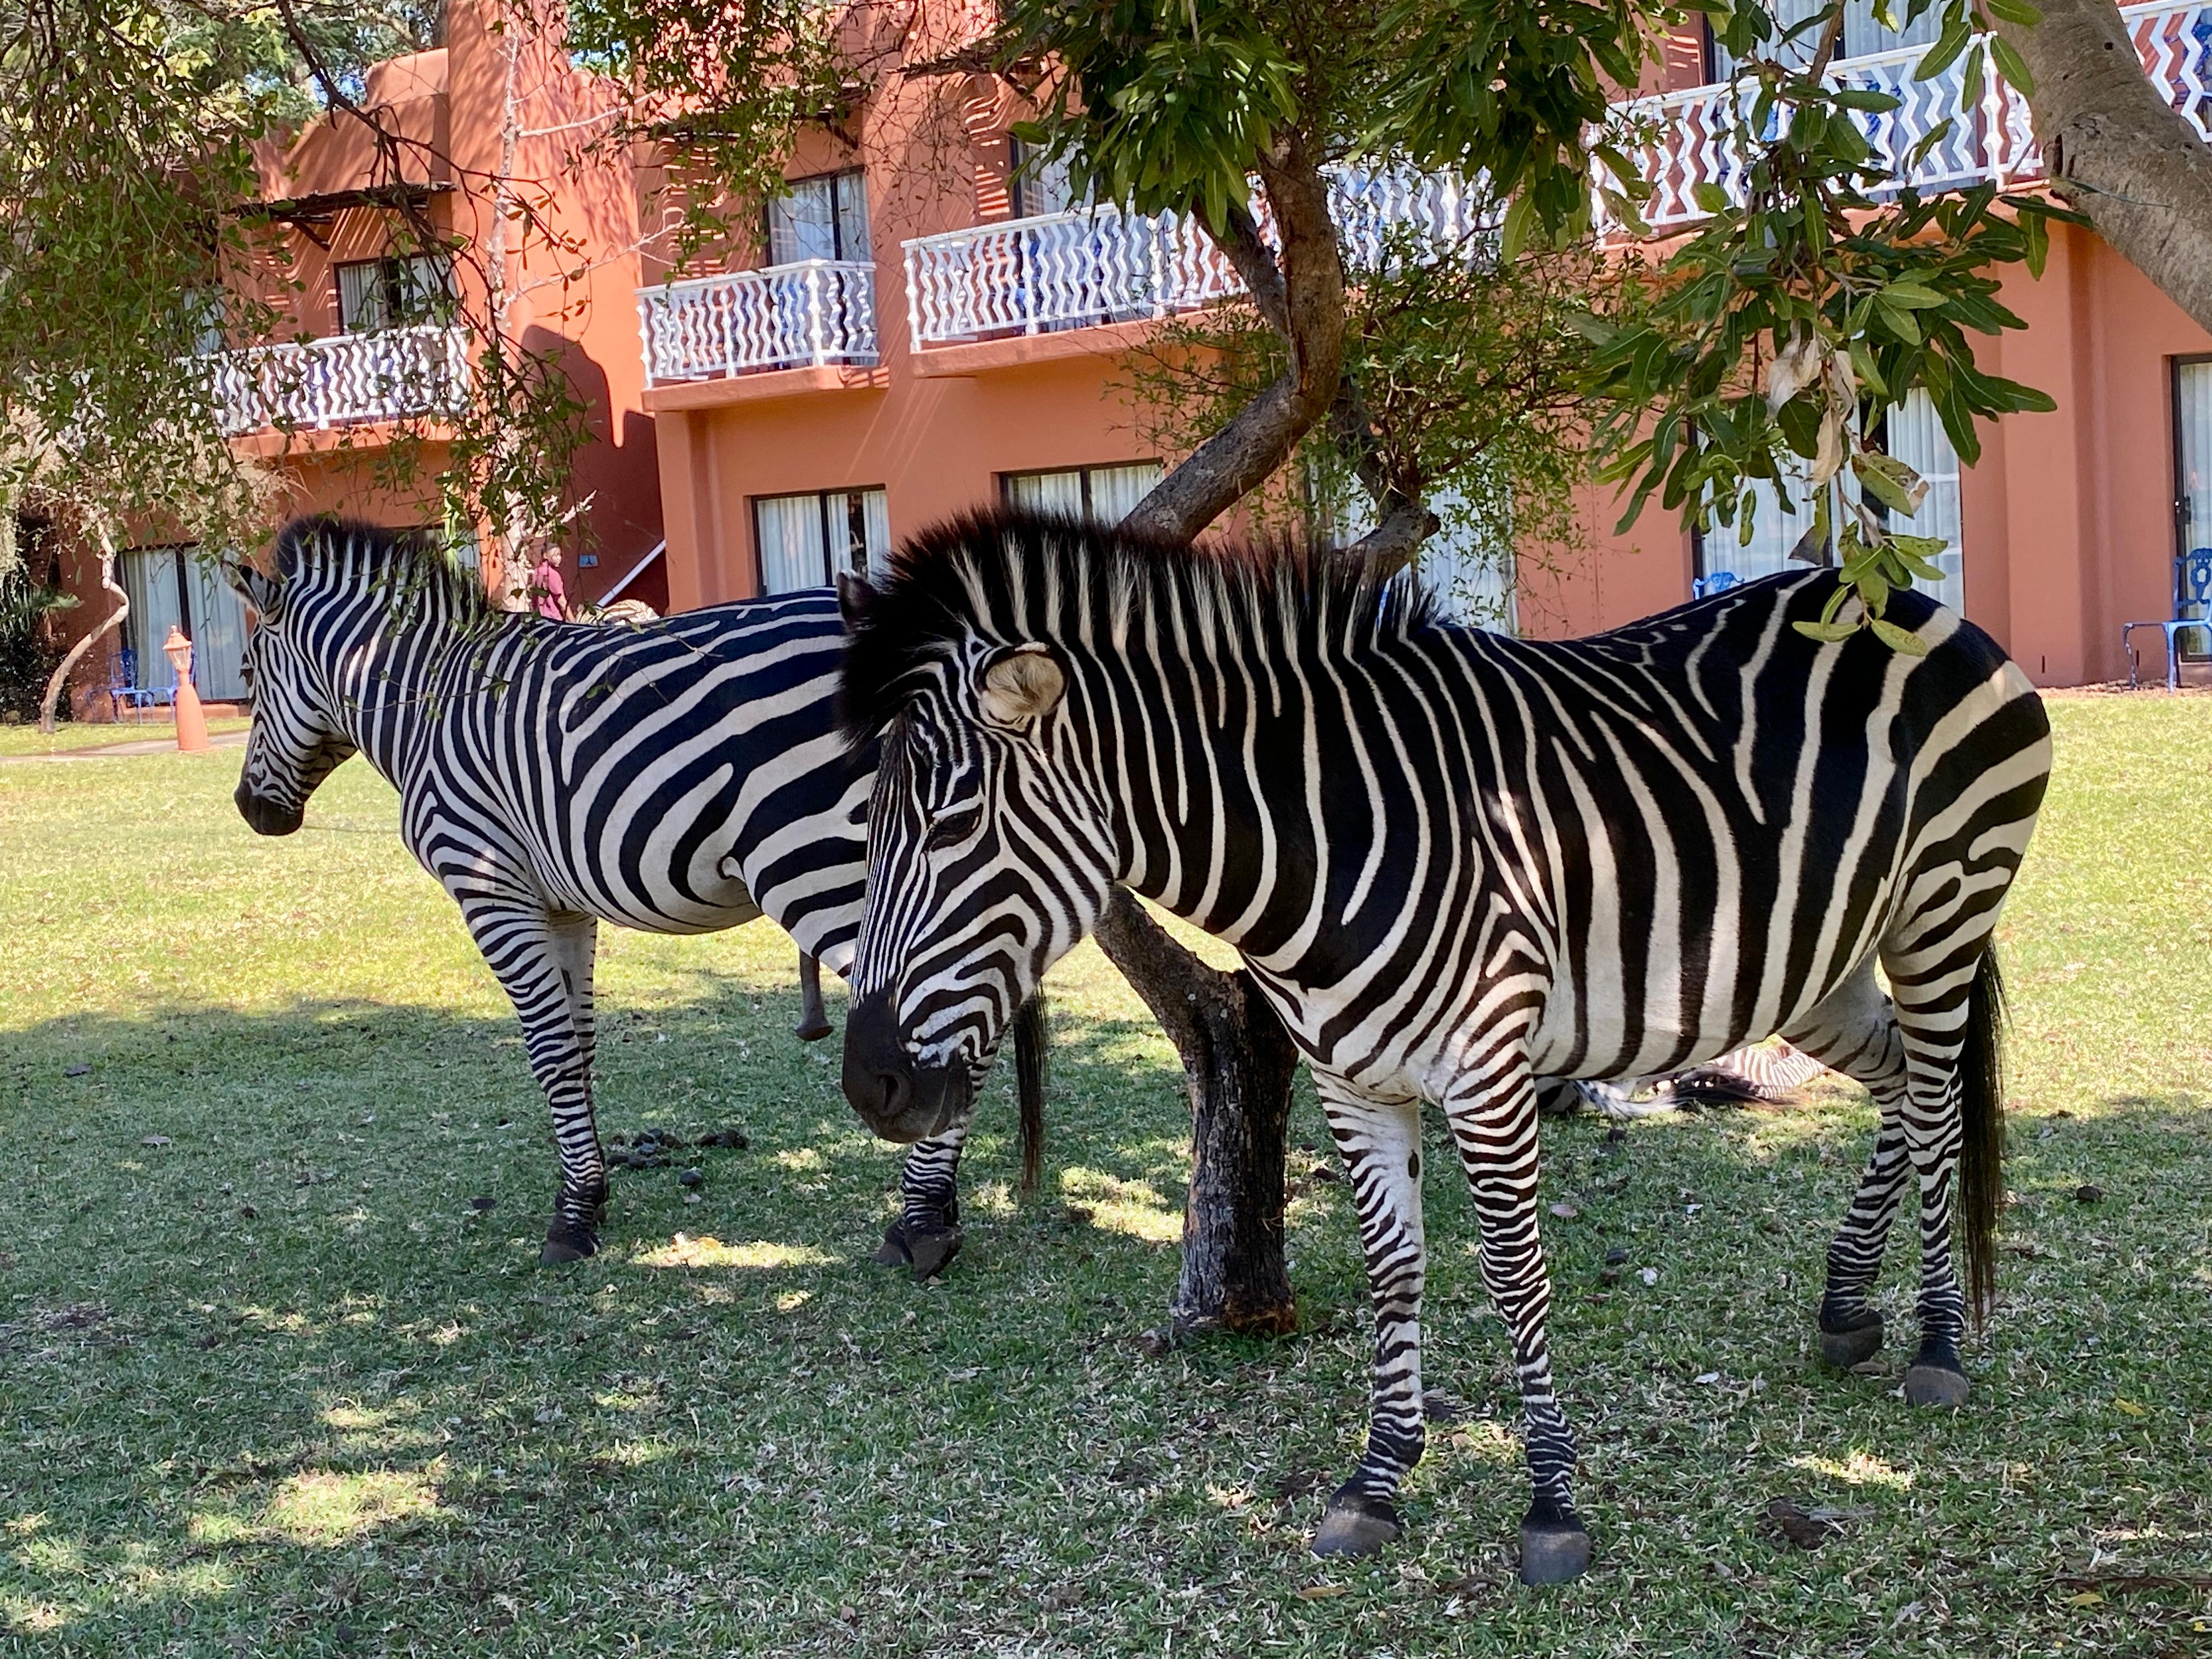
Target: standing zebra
column 680, row 778
column 1457, row 862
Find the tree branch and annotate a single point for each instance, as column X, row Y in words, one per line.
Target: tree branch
column 2117, row 151
column 1260, row 437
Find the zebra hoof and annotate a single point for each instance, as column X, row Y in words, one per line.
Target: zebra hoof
column 1554, row 1551
column 1845, row 1349
column 1356, row 1526
column 814, row 1032
column 566, row 1244
column 1935, row 1385
column 929, row 1253
column 893, row 1251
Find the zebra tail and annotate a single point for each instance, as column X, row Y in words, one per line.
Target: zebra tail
column 1708, row 1085
column 1031, row 1050
column 1981, row 1151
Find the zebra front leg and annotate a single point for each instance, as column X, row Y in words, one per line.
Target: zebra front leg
column 1493, row 1124
column 1855, row 1032
column 813, row 1018
column 1380, row 1141
column 545, row 968
column 926, row 1235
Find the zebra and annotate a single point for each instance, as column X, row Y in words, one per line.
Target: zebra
column 677, row 778
column 1457, row 862
column 1767, row 1073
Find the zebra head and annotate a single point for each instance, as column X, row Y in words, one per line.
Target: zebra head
column 296, row 741
column 987, row 861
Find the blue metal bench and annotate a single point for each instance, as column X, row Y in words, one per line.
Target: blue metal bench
column 126, row 691
column 1719, row 582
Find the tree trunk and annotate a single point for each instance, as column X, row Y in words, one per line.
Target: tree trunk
column 1239, row 1063
column 1236, row 1055
column 47, row 704
column 2117, row 151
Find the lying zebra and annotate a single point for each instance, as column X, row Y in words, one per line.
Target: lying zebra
column 678, row 778
column 1457, row 862
column 1768, row 1073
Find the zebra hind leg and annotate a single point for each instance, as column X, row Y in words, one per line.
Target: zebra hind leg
column 927, row 1235
column 1380, row 1141
column 1855, row 1032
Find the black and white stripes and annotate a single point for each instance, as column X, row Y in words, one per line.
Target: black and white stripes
column 1457, row 863
column 678, row 778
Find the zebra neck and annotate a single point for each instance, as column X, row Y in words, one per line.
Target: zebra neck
column 389, row 674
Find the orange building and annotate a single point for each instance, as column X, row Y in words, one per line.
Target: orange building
column 928, row 322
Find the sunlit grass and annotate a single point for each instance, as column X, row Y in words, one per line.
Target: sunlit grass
column 278, row 1387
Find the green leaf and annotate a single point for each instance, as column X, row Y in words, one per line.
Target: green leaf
column 1830, row 632
column 1865, row 98
column 2017, row 12
column 1902, row 640
column 1958, row 33
column 1912, row 296
column 1514, row 235
column 2035, row 232
column 1710, row 196
column 2011, row 65
column 1888, row 479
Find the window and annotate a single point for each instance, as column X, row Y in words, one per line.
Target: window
column 1865, row 35
column 805, row 541
column 1913, row 433
column 395, row 293
column 203, row 321
column 1104, row 495
column 174, row 587
column 1040, row 186
column 824, row 217
column 1468, row 565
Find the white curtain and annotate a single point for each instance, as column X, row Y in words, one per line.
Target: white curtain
column 1917, row 438
column 1046, row 492
column 1116, row 490
column 217, row 626
column 1471, row 573
column 1041, row 186
column 876, row 511
column 362, row 308
column 789, row 530
column 823, row 218
column 1773, row 534
column 149, row 577
column 2193, row 391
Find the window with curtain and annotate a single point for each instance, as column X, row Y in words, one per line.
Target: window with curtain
column 1466, row 564
column 1914, row 435
column 1041, row 186
column 1106, row 495
column 1864, row 32
column 1774, row 533
column 173, row 587
column 825, row 217
column 395, row 293
column 805, row 541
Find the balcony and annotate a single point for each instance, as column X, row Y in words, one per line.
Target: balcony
column 1689, row 138
column 393, row 374
column 815, row 314
column 1084, row 270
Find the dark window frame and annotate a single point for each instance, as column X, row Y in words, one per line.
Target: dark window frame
column 837, row 207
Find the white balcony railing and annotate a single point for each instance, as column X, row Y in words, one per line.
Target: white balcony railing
column 814, row 312
column 392, row 375
column 1063, row 270
column 1691, row 137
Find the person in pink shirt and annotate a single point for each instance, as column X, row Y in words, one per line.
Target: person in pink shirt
column 546, row 590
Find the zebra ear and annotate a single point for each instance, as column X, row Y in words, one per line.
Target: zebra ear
column 1022, row 683
column 256, row 590
column 854, row 594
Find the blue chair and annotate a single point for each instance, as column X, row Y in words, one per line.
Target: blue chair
column 1719, row 582
column 2192, row 608
column 127, row 690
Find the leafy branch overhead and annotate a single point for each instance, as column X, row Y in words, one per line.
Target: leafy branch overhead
column 1767, row 349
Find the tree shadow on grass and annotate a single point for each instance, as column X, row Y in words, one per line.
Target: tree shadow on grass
column 275, row 1380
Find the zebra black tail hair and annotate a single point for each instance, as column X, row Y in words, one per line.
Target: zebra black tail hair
column 1981, row 1151
column 1030, row 1054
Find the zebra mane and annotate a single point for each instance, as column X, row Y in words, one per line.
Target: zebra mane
column 1012, row 576
column 351, row 551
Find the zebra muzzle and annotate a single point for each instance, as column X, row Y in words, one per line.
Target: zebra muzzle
column 897, row 1098
column 265, row 816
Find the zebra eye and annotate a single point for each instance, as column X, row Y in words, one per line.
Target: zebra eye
column 955, row 826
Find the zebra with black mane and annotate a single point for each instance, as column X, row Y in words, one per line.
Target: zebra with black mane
column 1457, row 862
column 681, row 777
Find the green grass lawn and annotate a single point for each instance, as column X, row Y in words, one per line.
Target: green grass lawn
column 16, row 740
column 271, row 1384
